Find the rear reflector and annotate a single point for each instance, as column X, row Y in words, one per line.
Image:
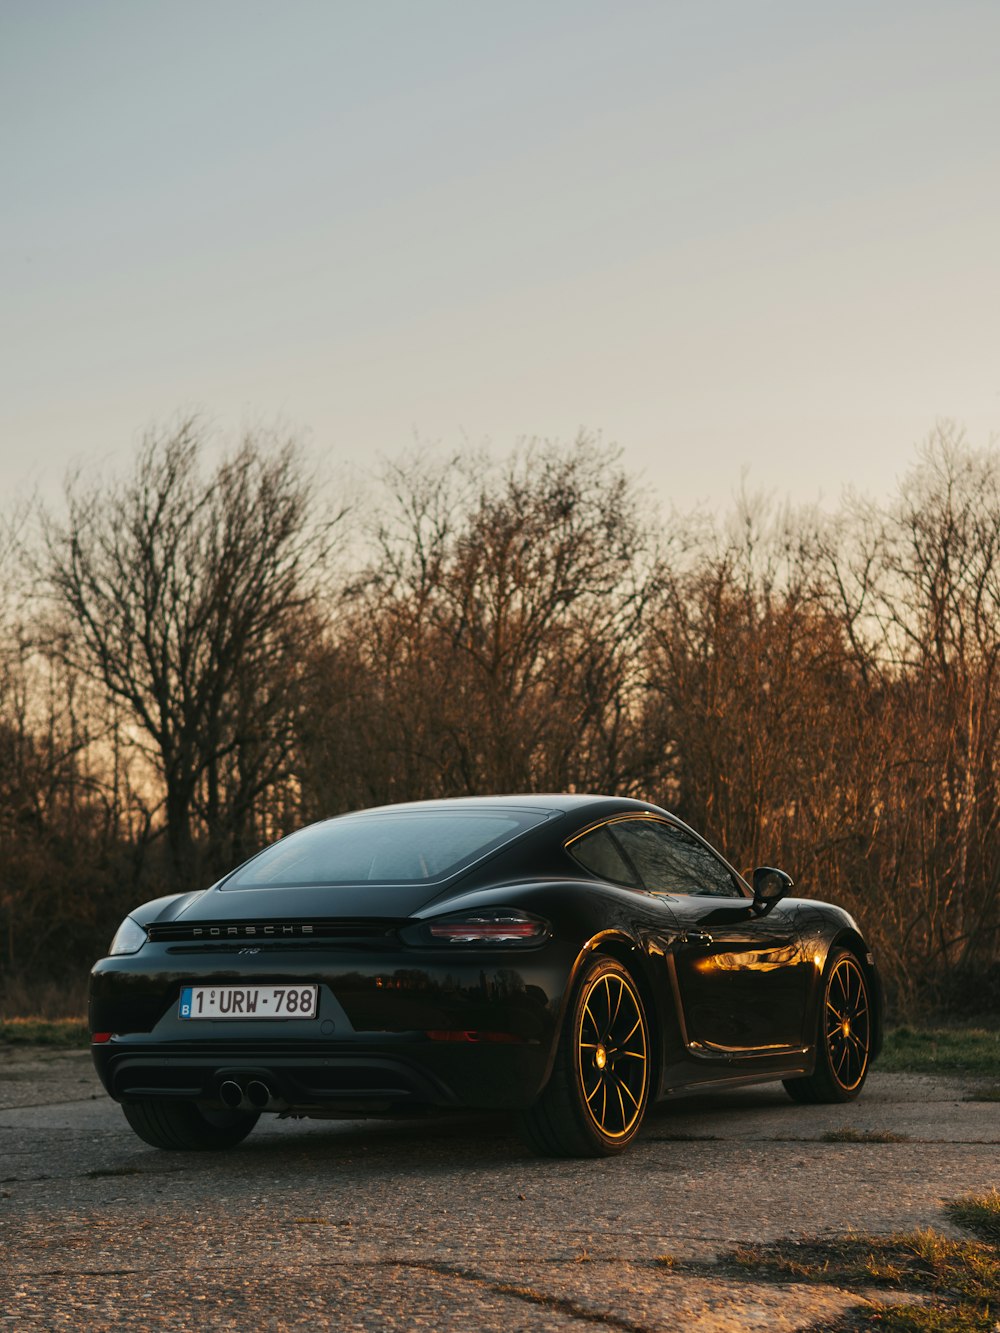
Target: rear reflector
column 506, row 1037
column 99, row 1038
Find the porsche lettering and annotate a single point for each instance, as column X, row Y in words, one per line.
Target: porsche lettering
column 246, row 932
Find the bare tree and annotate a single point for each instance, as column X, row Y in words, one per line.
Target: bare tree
column 496, row 628
column 823, row 693
column 185, row 594
column 827, row 694
column 744, row 669
column 940, row 611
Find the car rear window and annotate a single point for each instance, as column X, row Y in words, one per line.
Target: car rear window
column 394, row 848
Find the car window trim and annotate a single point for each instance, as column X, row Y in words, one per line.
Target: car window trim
column 651, row 818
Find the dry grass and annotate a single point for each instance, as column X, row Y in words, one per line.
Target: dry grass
column 986, row 1092
column 978, row 1213
column 848, row 1135
column 43, row 1032
column 958, row 1280
column 941, row 1050
column 910, row 1261
column 61, row 1000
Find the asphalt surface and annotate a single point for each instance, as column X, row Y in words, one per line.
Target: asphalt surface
column 453, row 1224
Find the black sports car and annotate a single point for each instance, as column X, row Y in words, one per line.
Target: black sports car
column 567, row 957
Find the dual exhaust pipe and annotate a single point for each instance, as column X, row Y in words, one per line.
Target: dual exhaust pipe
column 255, row 1096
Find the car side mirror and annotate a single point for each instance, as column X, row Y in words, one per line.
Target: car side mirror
column 769, row 887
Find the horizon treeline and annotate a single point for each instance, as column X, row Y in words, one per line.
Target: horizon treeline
column 207, row 651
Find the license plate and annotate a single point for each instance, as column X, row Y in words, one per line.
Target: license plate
column 249, row 1001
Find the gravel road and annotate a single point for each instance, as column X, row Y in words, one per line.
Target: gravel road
column 452, row 1224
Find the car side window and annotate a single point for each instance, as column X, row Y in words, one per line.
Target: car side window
column 598, row 852
column 671, row 861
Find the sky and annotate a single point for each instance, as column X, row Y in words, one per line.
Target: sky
column 734, row 237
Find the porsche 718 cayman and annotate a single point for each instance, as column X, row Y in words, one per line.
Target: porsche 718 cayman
column 570, row 958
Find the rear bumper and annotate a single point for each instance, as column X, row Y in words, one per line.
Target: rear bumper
column 494, row 1022
column 343, row 1078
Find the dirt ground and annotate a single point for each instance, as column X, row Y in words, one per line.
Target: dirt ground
column 452, row 1224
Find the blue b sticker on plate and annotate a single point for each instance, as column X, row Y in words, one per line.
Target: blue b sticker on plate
column 186, row 1002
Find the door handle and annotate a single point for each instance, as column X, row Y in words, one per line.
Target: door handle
column 697, row 937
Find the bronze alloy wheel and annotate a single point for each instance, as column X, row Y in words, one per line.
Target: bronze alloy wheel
column 612, row 1054
column 847, row 1023
column 596, row 1097
column 843, row 1037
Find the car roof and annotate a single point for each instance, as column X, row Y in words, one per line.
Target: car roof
column 557, row 802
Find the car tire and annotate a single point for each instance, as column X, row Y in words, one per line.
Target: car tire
column 185, row 1127
column 595, row 1100
column 843, row 1035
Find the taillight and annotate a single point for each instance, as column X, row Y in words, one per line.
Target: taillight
column 471, row 932
column 485, row 928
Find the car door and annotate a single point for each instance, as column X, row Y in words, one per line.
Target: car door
column 740, row 978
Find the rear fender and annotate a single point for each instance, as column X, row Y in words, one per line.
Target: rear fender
column 640, row 965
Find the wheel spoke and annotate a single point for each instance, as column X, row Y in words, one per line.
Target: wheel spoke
column 621, row 992
column 607, row 1002
column 621, row 1103
column 636, row 1024
column 624, row 1087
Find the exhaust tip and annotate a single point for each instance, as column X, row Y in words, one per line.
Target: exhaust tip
column 258, row 1094
column 230, row 1094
